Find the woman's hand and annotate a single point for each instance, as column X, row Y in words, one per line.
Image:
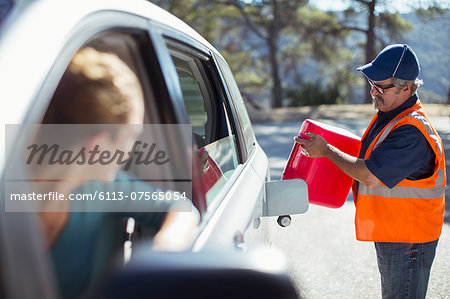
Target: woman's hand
column 177, row 232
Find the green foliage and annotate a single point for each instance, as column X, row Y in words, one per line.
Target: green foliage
column 393, row 25
column 313, row 94
column 263, row 13
column 291, row 31
column 202, row 15
column 426, row 14
column 320, row 30
column 263, row 40
column 250, row 74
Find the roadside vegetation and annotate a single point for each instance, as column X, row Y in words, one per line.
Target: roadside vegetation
column 290, row 53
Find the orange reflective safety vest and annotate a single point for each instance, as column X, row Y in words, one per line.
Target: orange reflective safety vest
column 412, row 211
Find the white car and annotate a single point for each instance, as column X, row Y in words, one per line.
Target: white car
column 185, row 81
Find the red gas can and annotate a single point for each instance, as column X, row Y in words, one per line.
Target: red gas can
column 327, row 185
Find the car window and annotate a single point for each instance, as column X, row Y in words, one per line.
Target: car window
column 213, row 135
column 239, row 104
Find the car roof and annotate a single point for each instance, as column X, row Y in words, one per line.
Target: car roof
column 72, row 10
column 38, row 29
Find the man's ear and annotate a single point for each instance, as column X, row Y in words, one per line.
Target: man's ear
column 99, row 139
column 407, row 87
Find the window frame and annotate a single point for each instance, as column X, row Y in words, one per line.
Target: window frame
column 162, row 36
column 246, row 153
column 213, row 130
column 187, row 46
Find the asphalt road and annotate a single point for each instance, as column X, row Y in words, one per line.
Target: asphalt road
column 326, row 261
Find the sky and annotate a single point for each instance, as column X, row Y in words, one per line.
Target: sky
column 329, row 4
column 402, row 6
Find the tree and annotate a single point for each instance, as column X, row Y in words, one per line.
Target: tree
column 321, row 40
column 267, row 19
column 262, row 39
column 284, row 26
column 379, row 25
column 202, row 15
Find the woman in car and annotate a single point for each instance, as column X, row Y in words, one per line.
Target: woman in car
column 99, row 88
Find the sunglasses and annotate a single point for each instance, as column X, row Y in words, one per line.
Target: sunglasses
column 379, row 88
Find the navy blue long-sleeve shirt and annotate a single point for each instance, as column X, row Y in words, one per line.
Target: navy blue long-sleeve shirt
column 405, row 153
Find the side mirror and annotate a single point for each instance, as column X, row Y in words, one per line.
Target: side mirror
column 255, row 274
column 284, row 198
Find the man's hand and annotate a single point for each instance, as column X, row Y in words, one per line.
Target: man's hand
column 315, row 147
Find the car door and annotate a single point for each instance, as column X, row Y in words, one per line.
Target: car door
column 225, row 146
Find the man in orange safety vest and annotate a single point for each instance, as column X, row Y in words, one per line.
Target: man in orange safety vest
column 399, row 175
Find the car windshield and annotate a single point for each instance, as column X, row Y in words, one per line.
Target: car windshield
column 5, row 8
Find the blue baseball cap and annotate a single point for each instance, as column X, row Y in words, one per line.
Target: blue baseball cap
column 397, row 61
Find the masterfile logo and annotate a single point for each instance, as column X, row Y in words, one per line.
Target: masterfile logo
column 97, row 168
column 54, row 154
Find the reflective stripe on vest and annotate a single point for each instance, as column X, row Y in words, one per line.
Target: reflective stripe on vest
column 407, row 192
column 420, row 118
column 412, row 211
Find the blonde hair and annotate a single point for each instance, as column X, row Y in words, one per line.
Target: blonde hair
column 96, row 88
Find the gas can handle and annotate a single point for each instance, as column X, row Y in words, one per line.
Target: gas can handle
column 303, row 136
